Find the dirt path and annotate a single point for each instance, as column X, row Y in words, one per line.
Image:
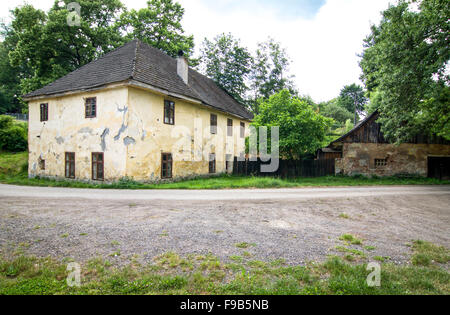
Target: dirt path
column 294, row 224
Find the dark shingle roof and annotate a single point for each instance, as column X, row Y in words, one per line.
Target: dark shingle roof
column 143, row 63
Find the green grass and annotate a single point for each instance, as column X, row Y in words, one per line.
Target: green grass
column 426, row 253
column 349, row 238
column 197, row 274
column 13, row 170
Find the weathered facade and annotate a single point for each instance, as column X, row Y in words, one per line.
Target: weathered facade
column 153, row 124
column 365, row 151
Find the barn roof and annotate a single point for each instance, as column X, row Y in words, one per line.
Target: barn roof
column 142, row 63
column 357, row 127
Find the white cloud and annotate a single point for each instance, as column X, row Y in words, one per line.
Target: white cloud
column 323, row 49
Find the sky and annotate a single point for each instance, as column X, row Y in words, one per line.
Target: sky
column 322, row 37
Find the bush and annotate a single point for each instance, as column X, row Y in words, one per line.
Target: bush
column 13, row 136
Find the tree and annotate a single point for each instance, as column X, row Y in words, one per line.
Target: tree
column 353, row 99
column 158, row 25
column 302, row 130
column 9, row 84
column 46, row 47
column 269, row 72
column 228, row 63
column 406, row 60
column 334, row 110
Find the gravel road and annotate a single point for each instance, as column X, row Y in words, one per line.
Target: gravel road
column 297, row 225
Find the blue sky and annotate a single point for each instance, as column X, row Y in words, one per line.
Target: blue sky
column 283, row 8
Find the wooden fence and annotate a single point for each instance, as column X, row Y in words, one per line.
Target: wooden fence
column 287, row 168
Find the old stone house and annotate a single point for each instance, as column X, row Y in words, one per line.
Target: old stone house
column 365, row 151
column 137, row 113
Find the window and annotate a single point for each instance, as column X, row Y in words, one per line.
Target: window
column 166, row 165
column 70, row 165
column 380, row 162
column 212, row 163
column 230, row 127
column 41, row 163
column 44, row 112
column 91, row 107
column 97, row 166
column 213, row 124
column 169, row 112
column 242, row 130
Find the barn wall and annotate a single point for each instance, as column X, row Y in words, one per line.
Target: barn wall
column 359, row 158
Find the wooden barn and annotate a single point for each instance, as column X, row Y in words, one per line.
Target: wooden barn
column 365, row 151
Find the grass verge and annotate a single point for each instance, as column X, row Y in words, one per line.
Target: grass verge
column 197, row 274
column 13, row 170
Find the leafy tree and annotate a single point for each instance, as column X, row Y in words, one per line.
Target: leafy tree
column 13, row 136
column 228, row 63
column 48, row 48
column 353, row 99
column 269, row 72
column 333, row 110
column 158, row 25
column 406, row 60
column 302, row 129
column 9, row 84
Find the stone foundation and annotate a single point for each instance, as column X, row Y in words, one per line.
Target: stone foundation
column 411, row 159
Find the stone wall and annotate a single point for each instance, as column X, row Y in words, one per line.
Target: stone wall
column 359, row 158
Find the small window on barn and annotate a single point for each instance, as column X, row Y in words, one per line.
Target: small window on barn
column 212, row 163
column 98, row 166
column 44, row 112
column 213, row 124
column 166, row 165
column 91, row 107
column 380, row 162
column 70, row 165
column 242, row 130
column 169, row 112
column 230, row 127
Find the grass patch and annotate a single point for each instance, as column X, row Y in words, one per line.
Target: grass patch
column 349, row 238
column 344, row 216
column 426, row 253
column 14, row 167
column 245, row 245
column 194, row 274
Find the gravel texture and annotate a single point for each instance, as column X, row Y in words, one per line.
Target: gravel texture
column 295, row 230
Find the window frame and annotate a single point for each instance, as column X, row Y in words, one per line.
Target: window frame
column 212, row 163
column 171, row 105
column 44, row 112
column 168, row 161
column 242, row 130
column 229, row 127
column 41, row 163
column 213, row 124
column 92, row 112
column 69, row 160
column 98, row 163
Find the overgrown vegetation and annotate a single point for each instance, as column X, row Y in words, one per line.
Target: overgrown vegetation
column 206, row 274
column 13, row 135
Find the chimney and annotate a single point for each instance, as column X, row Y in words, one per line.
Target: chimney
column 183, row 67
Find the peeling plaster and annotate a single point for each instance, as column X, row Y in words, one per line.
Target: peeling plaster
column 103, row 138
column 59, row 140
column 128, row 140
